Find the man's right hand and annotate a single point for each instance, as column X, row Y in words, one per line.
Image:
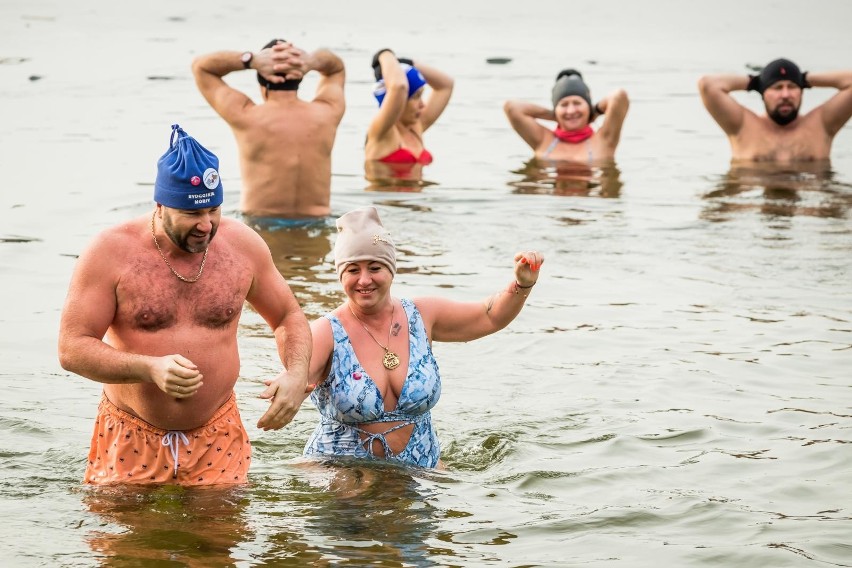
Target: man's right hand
column 176, row 376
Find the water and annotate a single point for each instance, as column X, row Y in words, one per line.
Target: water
column 676, row 391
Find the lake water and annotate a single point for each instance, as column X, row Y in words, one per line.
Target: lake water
column 676, row 392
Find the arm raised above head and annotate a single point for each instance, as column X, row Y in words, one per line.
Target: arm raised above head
column 716, row 95
column 396, row 95
column 524, row 117
column 837, row 110
column 209, row 70
column 614, row 106
column 330, row 87
column 442, row 89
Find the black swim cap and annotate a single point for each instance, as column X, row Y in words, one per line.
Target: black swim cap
column 781, row 70
column 570, row 82
column 288, row 85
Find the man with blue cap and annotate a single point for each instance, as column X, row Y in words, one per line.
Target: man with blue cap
column 285, row 142
column 152, row 313
column 782, row 134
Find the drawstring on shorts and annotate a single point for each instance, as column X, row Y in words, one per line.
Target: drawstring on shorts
column 172, row 440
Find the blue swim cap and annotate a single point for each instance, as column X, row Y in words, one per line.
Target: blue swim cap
column 187, row 174
column 415, row 81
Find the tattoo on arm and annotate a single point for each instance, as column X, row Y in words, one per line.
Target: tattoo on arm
column 490, row 304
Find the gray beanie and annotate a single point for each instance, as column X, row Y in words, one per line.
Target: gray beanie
column 361, row 236
column 570, row 82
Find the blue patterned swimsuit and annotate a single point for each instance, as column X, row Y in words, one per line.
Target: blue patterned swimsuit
column 349, row 397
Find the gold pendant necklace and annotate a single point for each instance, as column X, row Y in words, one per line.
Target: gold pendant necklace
column 169, row 264
column 391, row 359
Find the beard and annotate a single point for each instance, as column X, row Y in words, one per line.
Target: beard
column 182, row 241
column 783, row 119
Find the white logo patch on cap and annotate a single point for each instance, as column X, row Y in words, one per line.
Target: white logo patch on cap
column 211, row 178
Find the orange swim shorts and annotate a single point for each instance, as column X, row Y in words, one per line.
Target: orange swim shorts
column 126, row 449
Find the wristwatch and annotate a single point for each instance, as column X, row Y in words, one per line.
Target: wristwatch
column 246, row 59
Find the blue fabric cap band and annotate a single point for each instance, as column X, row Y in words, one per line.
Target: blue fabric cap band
column 415, row 82
column 187, row 174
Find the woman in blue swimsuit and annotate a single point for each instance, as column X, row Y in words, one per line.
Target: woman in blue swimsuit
column 376, row 378
column 573, row 139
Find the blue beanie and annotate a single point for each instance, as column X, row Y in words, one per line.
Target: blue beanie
column 187, row 174
column 415, row 81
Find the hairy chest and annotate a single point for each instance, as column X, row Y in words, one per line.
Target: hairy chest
column 805, row 143
column 150, row 298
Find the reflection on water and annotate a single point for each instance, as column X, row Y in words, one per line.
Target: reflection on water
column 354, row 511
column 406, row 178
column 556, row 177
column 804, row 189
column 167, row 525
column 301, row 251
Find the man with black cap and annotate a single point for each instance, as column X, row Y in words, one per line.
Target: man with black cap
column 782, row 134
column 152, row 313
column 284, row 143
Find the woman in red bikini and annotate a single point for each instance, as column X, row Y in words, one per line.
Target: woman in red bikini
column 394, row 150
column 573, row 139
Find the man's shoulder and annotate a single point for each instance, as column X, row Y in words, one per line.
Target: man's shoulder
column 122, row 232
column 114, row 242
column 318, row 106
column 239, row 233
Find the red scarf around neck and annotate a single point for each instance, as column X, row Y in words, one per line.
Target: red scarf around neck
column 574, row 136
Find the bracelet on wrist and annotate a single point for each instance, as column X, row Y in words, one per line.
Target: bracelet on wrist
column 523, row 291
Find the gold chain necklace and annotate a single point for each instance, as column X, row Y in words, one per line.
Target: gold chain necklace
column 169, row 264
column 391, row 359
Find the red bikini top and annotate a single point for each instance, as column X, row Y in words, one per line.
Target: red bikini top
column 404, row 156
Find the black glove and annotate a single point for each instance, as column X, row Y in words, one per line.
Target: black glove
column 805, row 83
column 754, row 84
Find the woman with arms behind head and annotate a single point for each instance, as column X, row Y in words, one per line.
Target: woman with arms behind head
column 372, row 361
column 573, row 139
column 395, row 136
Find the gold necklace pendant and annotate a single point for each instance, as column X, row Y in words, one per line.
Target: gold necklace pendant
column 390, row 360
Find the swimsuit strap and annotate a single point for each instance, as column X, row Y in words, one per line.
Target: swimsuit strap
column 589, row 153
column 551, row 147
column 371, row 437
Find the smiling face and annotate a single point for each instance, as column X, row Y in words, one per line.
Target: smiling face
column 366, row 283
column 782, row 101
column 572, row 112
column 191, row 230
